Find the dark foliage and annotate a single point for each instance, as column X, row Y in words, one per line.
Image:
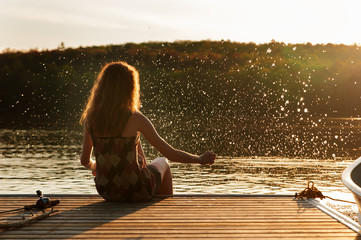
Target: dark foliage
column 229, row 87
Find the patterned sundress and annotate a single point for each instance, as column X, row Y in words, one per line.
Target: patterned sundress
column 120, row 176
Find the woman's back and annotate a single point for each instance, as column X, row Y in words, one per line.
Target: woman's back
column 120, row 174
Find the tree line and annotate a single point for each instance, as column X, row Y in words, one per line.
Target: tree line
column 187, row 79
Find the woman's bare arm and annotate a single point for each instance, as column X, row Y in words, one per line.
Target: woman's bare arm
column 86, row 152
column 175, row 155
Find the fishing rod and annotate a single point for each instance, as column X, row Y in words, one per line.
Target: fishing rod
column 41, row 204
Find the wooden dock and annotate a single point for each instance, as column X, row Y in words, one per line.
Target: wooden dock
column 177, row 217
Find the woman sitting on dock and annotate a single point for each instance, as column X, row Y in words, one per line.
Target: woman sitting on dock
column 112, row 126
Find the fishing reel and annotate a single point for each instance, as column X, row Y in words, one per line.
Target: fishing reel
column 42, row 203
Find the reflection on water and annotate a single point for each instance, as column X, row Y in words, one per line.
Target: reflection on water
column 49, row 160
column 259, row 175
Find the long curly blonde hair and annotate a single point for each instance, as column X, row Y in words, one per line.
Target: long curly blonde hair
column 115, row 92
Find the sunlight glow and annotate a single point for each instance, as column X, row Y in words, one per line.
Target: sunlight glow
column 46, row 23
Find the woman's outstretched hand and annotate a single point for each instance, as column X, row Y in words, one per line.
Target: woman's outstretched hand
column 208, row 158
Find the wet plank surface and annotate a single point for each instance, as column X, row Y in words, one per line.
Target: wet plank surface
column 178, row 216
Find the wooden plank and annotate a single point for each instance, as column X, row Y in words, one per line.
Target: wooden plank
column 165, row 235
column 199, row 226
column 187, row 216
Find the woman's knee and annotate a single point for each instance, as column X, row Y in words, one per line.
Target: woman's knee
column 161, row 163
column 166, row 186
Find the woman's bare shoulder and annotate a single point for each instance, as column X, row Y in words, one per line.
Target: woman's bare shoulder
column 137, row 121
column 137, row 116
column 140, row 122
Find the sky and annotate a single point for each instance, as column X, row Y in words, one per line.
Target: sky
column 44, row 24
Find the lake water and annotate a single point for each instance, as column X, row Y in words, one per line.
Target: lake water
column 49, row 160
